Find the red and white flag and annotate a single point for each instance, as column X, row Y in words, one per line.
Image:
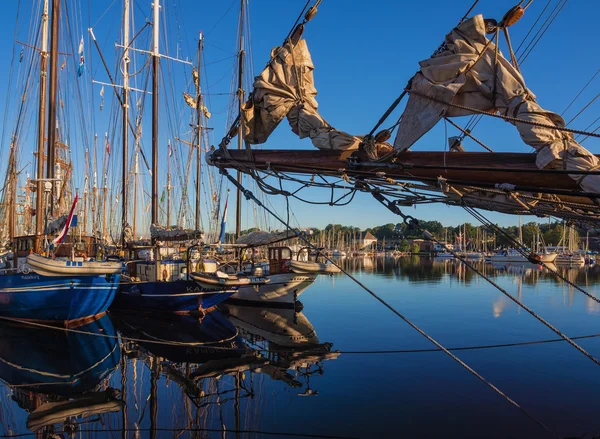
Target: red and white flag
column 63, row 234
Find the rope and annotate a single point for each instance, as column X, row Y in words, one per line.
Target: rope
column 503, row 117
column 250, row 196
column 467, row 132
column 521, row 249
column 409, row 220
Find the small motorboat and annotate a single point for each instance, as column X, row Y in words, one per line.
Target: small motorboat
column 71, row 267
column 218, row 279
column 307, row 267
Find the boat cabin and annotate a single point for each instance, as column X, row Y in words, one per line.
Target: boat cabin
column 279, row 259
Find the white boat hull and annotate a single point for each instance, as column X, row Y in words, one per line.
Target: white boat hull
column 282, row 290
column 60, row 267
column 304, row 267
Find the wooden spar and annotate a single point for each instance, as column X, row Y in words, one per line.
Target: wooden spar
column 480, row 167
column 12, row 197
column 460, row 169
column 85, row 190
column 105, row 179
column 39, row 198
column 95, row 186
column 155, row 60
column 199, row 133
column 52, row 100
column 238, row 205
column 169, row 185
column 135, row 187
column 125, row 116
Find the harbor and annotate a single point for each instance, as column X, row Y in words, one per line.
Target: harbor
column 189, row 248
column 253, row 372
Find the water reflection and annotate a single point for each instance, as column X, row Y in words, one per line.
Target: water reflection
column 174, row 373
column 434, row 270
column 243, row 371
column 57, row 378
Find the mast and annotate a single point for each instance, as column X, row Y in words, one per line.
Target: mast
column 199, row 128
column 85, row 189
column 155, row 60
column 169, row 184
column 241, row 54
column 135, row 183
column 125, row 114
column 95, row 186
column 52, row 101
column 39, row 198
column 12, row 198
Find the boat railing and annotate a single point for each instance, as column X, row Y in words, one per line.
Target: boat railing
column 8, row 271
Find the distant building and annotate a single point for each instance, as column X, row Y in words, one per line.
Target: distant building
column 368, row 240
column 440, row 247
column 424, row 246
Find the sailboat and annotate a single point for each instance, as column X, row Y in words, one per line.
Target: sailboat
column 56, row 375
column 559, row 179
column 156, row 284
column 63, row 285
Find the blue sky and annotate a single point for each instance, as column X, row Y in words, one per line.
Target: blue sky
column 364, row 53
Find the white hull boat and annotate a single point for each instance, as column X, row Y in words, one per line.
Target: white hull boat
column 76, row 267
column 306, row 267
column 567, row 259
column 282, row 290
column 514, row 256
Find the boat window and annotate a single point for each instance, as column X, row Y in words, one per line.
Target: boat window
column 286, row 253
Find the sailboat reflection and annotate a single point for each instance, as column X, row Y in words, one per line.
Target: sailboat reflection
column 288, row 338
column 183, row 373
column 55, row 374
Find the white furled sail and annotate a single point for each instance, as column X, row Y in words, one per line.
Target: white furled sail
column 286, row 87
column 165, row 234
column 259, row 237
column 469, row 71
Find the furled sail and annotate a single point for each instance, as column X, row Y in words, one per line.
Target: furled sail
column 259, row 237
column 286, row 88
column 466, row 72
column 161, row 233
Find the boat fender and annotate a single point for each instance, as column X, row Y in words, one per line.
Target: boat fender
column 165, row 275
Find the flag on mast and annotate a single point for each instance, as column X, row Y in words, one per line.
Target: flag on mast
column 63, row 234
column 81, row 58
column 224, row 222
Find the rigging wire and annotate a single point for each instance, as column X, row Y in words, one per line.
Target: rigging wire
column 250, row 196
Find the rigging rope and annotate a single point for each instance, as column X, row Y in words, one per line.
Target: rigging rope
column 250, row 196
column 500, row 116
column 520, row 247
column 410, row 221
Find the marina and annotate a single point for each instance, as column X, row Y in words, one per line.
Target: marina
column 188, row 248
column 314, row 372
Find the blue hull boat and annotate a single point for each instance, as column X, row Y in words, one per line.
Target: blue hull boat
column 182, row 296
column 56, row 298
column 56, row 361
column 182, row 338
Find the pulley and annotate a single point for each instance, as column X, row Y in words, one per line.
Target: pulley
column 383, row 136
column 310, row 14
column 514, row 14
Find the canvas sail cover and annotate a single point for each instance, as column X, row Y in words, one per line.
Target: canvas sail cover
column 161, row 233
column 286, row 87
column 260, row 237
column 465, row 72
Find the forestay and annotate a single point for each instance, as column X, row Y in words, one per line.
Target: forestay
column 466, row 72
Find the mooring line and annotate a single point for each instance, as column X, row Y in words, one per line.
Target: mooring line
column 250, row 196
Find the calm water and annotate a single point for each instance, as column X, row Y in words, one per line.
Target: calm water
column 247, row 372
